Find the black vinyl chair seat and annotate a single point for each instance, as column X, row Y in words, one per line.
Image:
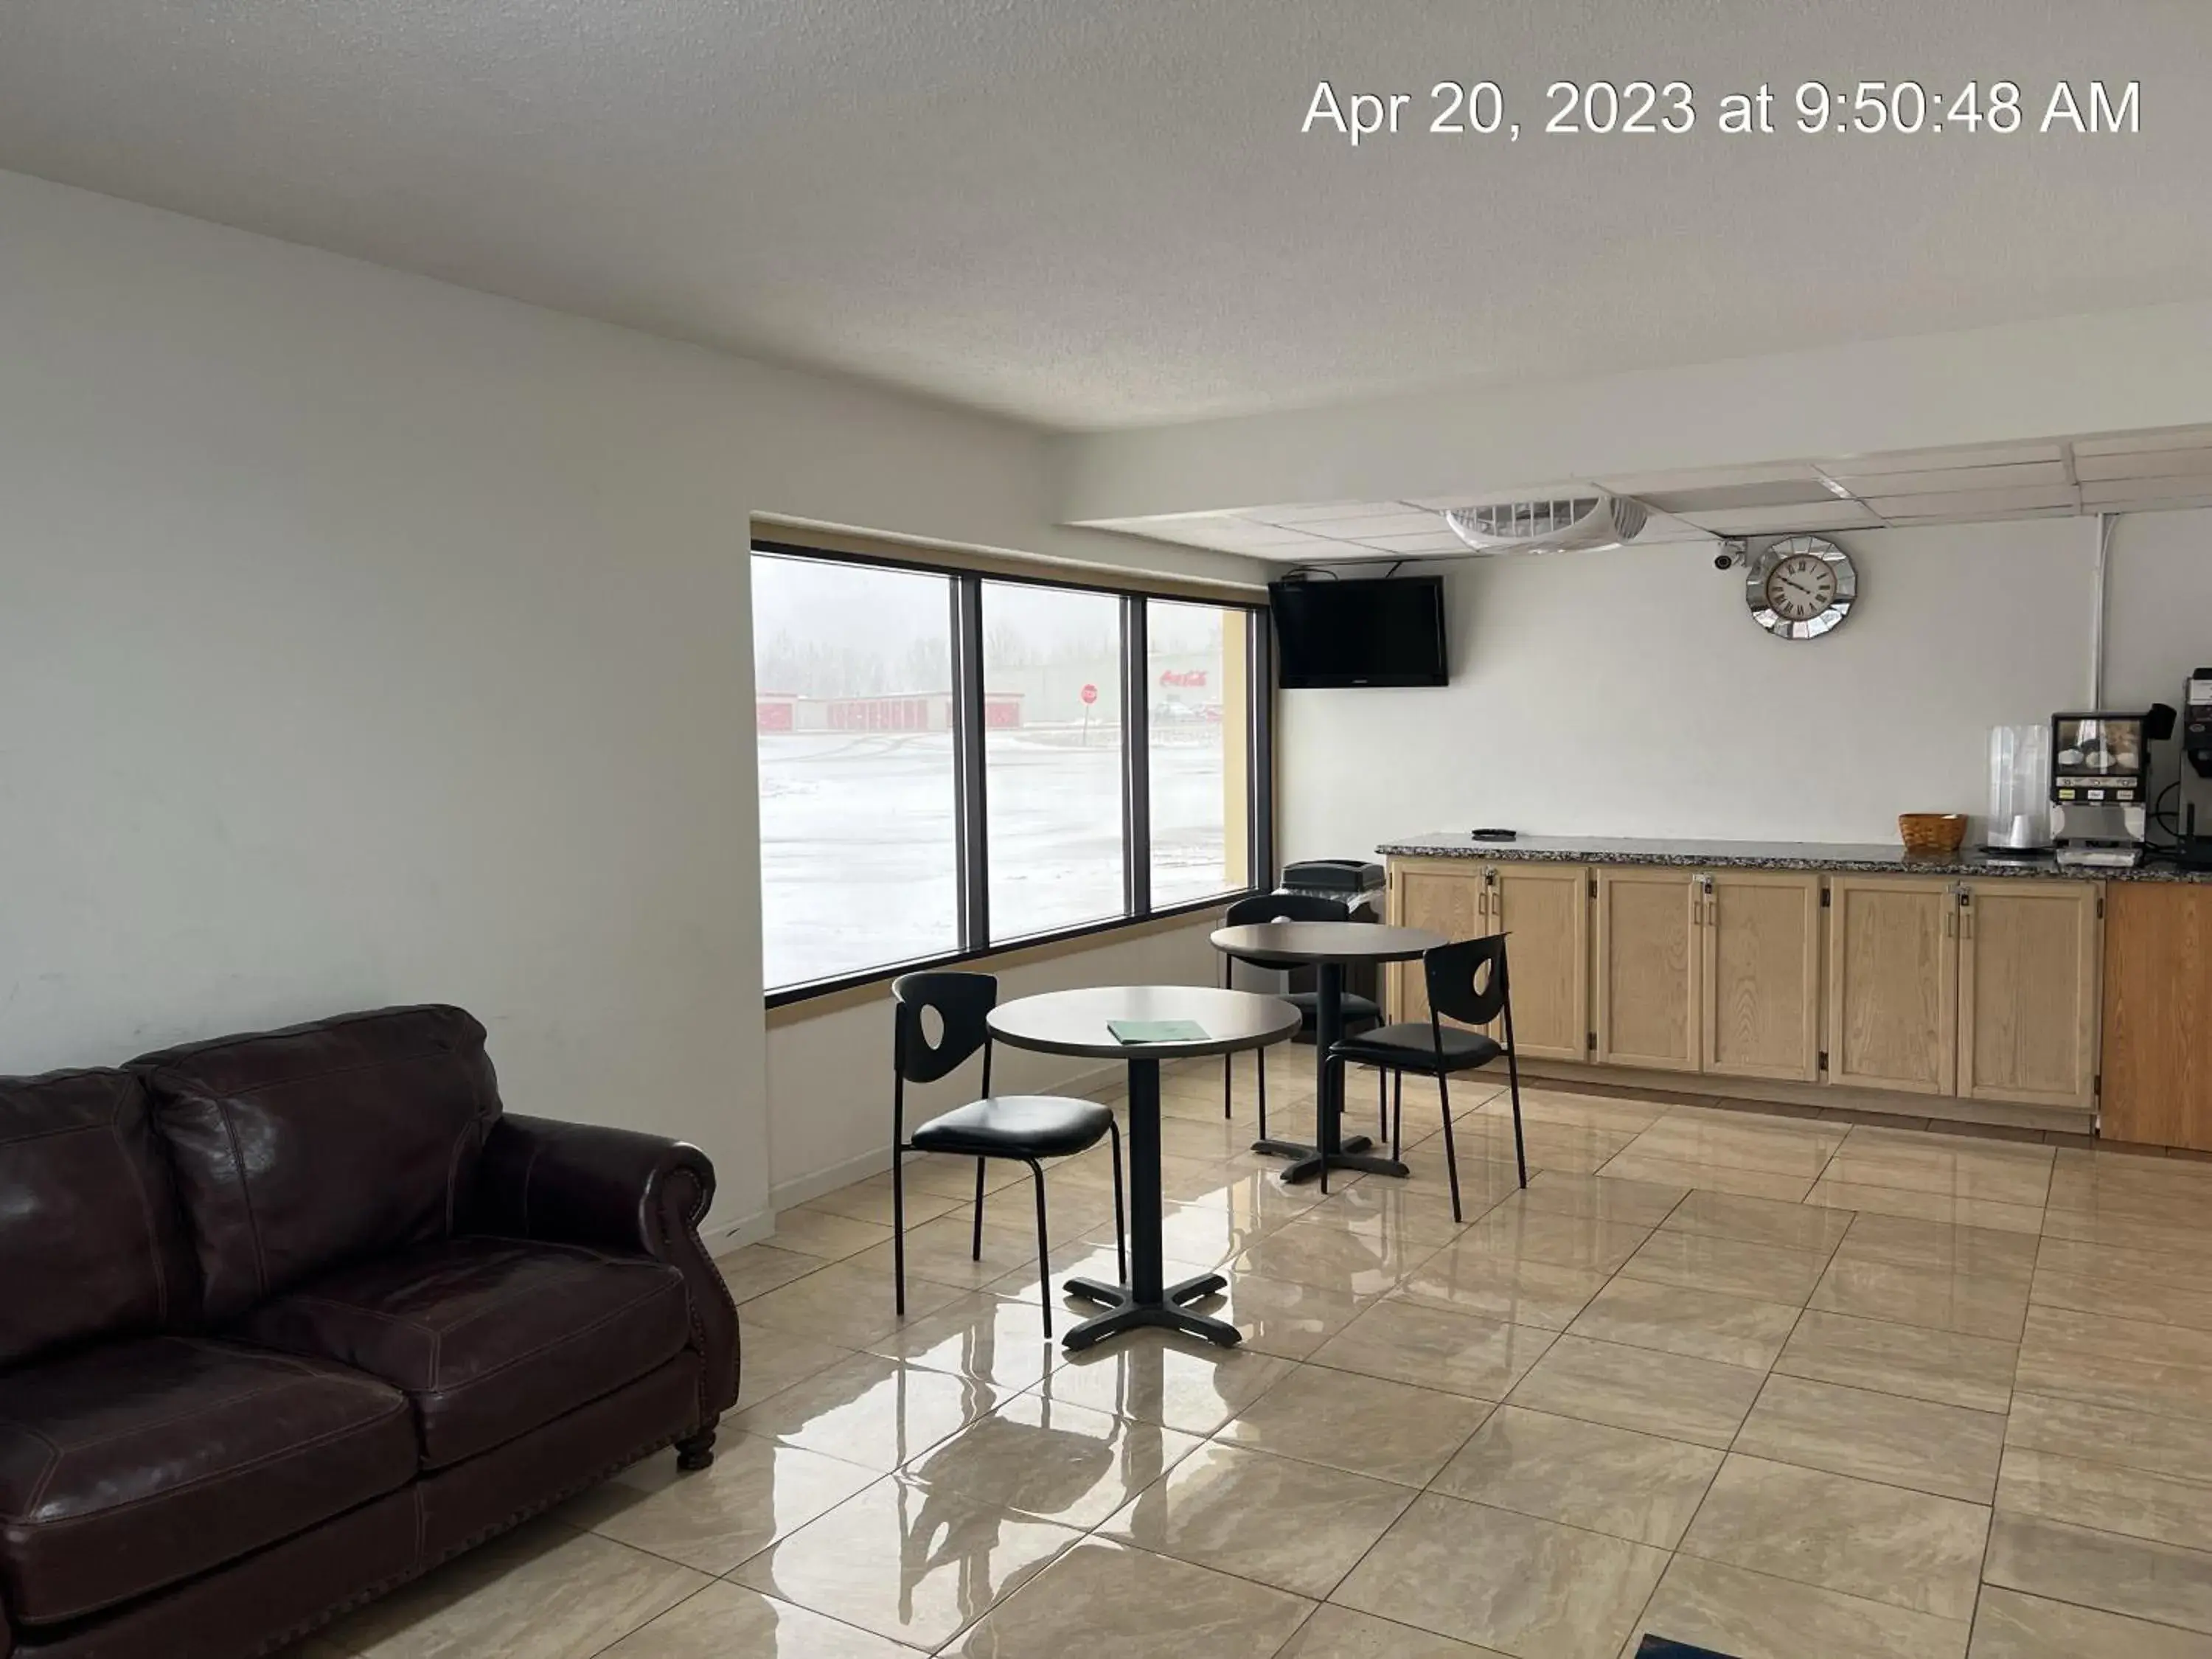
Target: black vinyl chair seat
column 1027, row 1127
column 1413, row 1047
column 1016, row 1126
column 1357, row 1009
column 1467, row 984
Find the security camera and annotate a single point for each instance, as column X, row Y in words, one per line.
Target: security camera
column 1731, row 554
column 1722, row 561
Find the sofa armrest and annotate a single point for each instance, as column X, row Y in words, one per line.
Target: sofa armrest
column 625, row 1193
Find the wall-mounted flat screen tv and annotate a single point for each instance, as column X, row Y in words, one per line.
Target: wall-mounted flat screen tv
column 1360, row 632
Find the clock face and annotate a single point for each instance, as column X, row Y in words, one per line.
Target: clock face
column 1800, row 587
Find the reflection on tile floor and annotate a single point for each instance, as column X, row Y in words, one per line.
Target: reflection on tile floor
column 1775, row 1385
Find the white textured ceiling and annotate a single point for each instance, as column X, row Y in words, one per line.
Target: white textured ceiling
column 1099, row 215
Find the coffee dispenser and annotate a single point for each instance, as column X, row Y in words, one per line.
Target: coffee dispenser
column 2100, row 789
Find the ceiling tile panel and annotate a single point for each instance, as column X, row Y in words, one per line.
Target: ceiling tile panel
column 1785, row 521
column 2144, row 464
column 1946, row 480
column 1308, row 513
column 1976, row 504
column 1943, row 461
column 2125, row 443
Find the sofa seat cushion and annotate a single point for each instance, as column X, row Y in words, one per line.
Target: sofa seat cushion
column 130, row 1467
column 489, row 1337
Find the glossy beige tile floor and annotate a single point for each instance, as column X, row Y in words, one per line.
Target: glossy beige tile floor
column 1786, row 1387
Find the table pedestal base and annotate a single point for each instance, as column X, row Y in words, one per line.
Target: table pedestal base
column 1124, row 1312
column 1306, row 1162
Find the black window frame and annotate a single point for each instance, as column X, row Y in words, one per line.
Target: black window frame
column 971, row 815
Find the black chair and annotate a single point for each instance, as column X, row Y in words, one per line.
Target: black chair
column 1359, row 1012
column 1025, row 1126
column 1466, row 982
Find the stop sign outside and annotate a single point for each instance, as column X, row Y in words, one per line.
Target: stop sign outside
column 1090, row 695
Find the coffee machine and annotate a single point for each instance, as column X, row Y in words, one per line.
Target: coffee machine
column 2099, row 789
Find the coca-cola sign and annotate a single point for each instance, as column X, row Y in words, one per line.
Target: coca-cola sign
column 1183, row 677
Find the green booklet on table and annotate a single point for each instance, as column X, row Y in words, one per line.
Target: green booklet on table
column 1157, row 1030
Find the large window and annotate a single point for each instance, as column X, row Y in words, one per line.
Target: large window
column 859, row 799
column 1051, row 676
column 1198, row 684
column 951, row 762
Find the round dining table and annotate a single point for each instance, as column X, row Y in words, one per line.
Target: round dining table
column 1076, row 1023
column 1326, row 947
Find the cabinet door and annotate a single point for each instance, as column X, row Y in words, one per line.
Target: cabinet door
column 1647, row 969
column 1760, row 945
column 1444, row 895
column 2027, row 992
column 1892, row 982
column 1545, row 908
column 2158, row 1014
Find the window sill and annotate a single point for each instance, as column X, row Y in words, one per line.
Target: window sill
column 793, row 1003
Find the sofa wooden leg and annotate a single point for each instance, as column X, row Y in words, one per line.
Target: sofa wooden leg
column 695, row 1451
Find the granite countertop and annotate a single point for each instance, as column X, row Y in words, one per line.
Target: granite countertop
column 1862, row 857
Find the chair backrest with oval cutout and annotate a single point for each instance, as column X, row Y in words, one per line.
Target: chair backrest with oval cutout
column 1466, row 979
column 940, row 1021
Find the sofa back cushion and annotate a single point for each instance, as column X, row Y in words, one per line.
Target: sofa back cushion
column 299, row 1149
column 90, row 1240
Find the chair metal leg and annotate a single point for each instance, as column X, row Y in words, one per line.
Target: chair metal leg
column 1397, row 1116
column 1044, row 1250
column 1520, row 1155
column 898, row 1228
column 1451, row 1156
column 1259, row 1069
column 1121, row 1218
column 1381, row 1102
column 975, row 1244
column 1228, row 1087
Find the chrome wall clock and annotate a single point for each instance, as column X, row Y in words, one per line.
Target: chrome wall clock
column 1800, row 587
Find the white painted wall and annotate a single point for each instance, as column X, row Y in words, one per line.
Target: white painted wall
column 829, row 1078
column 363, row 639
column 1628, row 692
column 2157, row 624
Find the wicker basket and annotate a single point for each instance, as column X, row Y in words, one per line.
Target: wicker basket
column 1931, row 832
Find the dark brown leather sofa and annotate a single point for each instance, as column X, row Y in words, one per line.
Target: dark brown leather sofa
column 286, row 1319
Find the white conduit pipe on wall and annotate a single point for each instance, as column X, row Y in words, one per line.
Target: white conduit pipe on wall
column 2106, row 522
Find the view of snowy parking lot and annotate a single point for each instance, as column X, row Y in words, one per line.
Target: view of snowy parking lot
column 858, row 846
column 858, row 858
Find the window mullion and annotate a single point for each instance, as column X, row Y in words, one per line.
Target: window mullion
column 1260, row 765
column 972, row 814
column 1136, row 761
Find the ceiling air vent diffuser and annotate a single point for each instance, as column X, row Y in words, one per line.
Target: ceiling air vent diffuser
column 1570, row 525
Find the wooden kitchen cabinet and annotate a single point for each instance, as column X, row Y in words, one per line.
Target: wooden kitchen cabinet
column 1444, row 895
column 1545, row 908
column 1759, row 959
column 2028, row 961
column 2011, row 992
column 1893, row 983
column 2158, row 1014
column 1646, row 1001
